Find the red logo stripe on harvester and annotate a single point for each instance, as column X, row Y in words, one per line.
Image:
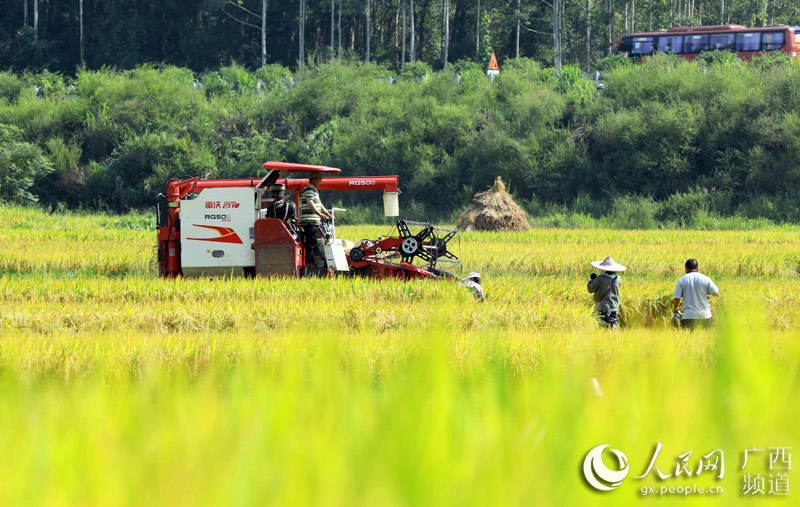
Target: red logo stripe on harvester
column 226, row 235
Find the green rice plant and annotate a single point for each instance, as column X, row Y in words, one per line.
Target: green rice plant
column 414, row 417
column 116, row 385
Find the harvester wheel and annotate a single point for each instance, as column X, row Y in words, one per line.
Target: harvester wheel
column 357, row 254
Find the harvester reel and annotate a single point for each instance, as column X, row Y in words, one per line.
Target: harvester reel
column 414, row 245
column 429, row 244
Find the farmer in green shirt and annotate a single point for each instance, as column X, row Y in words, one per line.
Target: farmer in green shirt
column 311, row 214
column 605, row 288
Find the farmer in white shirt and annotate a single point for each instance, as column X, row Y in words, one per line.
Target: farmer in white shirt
column 694, row 288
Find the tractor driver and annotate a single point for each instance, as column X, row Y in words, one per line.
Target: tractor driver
column 311, row 214
column 279, row 208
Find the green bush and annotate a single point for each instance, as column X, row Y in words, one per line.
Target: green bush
column 215, row 84
column 10, row 86
column 612, row 62
column 20, row 164
column 648, row 149
column 776, row 208
column 465, row 66
column 589, row 205
column 720, row 58
column 683, row 209
column 149, row 98
column 571, row 82
column 139, row 168
column 88, row 82
column 274, row 78
column 634, row 212
column 50, row 84
column 43, row 118
column 772, row 60
column 526, row 68
column 416, row 70
column 66, row 183
column 245, row 155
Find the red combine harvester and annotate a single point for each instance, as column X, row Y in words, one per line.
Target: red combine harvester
column 216, row 228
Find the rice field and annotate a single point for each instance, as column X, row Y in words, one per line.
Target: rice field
column 117, row 387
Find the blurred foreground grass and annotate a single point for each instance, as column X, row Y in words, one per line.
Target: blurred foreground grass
column 423, row 418
column 119, row 388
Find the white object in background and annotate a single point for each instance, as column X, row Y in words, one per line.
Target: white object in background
column 391, row 205
column 335, row 256
column 334, row 247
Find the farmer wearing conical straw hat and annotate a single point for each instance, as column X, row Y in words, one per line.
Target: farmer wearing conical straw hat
column 605, row 288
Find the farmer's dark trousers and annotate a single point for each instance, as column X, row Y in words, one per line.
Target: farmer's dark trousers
column 697, row 323
column 310, row 234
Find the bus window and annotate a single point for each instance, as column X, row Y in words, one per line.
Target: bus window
column 797, row 37
column 748, row 42
column 695, row 43
column 772, row 41
column 642, row 46
column 721, row 41
column 673, row 44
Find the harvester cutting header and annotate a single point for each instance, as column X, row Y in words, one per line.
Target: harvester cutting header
column 246, row 227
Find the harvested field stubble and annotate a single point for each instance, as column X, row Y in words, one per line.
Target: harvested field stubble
column 381, row 393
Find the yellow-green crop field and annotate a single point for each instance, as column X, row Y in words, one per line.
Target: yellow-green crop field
column 117, row 387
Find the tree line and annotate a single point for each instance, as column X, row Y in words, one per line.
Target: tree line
column 61, row 35
column 667, row 141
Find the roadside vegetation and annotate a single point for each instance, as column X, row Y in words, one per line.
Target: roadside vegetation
column 712, row 144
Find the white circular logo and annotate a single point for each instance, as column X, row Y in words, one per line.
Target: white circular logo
column 598, row 475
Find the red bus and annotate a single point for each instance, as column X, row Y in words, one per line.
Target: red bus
column 690, row 41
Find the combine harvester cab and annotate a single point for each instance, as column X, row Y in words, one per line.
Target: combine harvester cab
column 214, row 228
